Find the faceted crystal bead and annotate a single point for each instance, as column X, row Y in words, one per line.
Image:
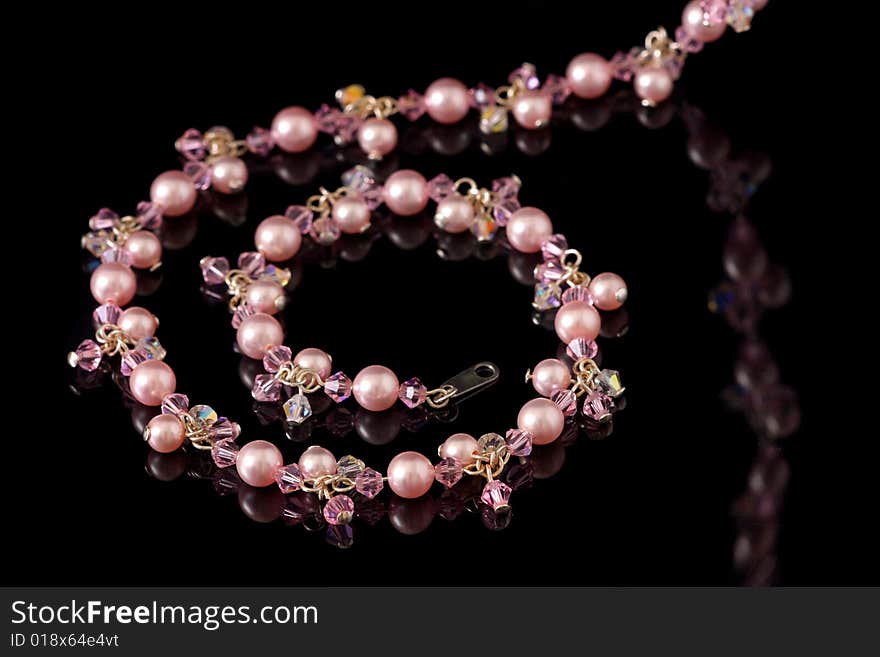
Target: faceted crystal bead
column 252, row 263
column 481, row 96
column 412, row 392
column 548, row 272
column 214, row 270
column 117, row 255
column 490, row 442
column 340, row 536
column 103, row 219
column 151, row 345
column 598, row 406
column 507, row 188
column 623, row 65
column 581, row 348
column 740, row 14
column 577, row 293
column 224, row 453
column 175, row 404
column 484, row 227
column 338, row 387
column 349, row 466
column 98, row 242
column 675, row 65
column 554, row 247
column 266, row 388
column 496, row 494
column 204, row 414
column 301, row 216
column 224, row 429
column 494, row 120
column 191, row 145
column 289, row 478
column 370, row 511
column 276, row 356
column 566, row 401
column 327, row 118
column 280, row 275
column 199, row 173
column 528, row 74
column 339, row 510
column 259, row 141
column 149, row 215
column 557, row 88
column 411, row 105
column 610, row 382
column 448, row 472
column 242, row 312
column 325, row 230
column 132, row 359
column 362, row 180
column 439, row 187
column 689, row 43
column 546, row 296
column 107, row 313
column 519, row 442
column 87, row 356
column 504, row 209
column 297, row 409
column 368, row 483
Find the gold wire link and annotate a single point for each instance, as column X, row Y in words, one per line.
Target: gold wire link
column 323, row 202
column 365, row 106
column 196, row 432
column 481, row 198
column 507, row 92
column 294, row 376
column 439, row 397
column 326, row 486
column 659, row 47
column 113, row 340
column 488, row 464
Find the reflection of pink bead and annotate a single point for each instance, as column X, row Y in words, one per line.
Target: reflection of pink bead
column 278, row 238
column 229, row 175
column 315, row 359
column 377, row 137
column 577, row 319
column 455, row 214
column 446, row 100
column 695, row 23
column 410, row 475
column 589, row 75
column 532, row 109
column 257, row 332
column 608, row 290
column 174, row 192
column 653, row 84
column 459, row 446
column 294, row 129
column 165, row 433
column 352, row 215
column 542, row 418
column 316, row 462
column 405, row 192
column 550, row 375
column 527, row 229
column 265, row 296
column 144, row 249
column 113, row 282
column 375, row 388
column 138, row 322
column 151, row 382
column 257, row 463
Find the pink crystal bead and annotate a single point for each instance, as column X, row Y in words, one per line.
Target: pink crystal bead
column 598, row 406
column 275, row 357
column 242, row 312
column 566, row 401
column 120, row 256
column 131, row 360
column 88, row 355
column 582, row 348
column 689, row 43
column 266, row 388
column 259, row 141
column 548, row 272
column 448, row 472
column 325, row 231
column 577, row 293
column 199, row 173
column 411, row 105
column 368, row 483
column 504, row 209
column 149, row 215
column 252, row 263
column 519, row 442
column 439, row 187
column 339, row 510
column 301, row 216
column 175, row 404
column 289, row 478
column 481, row 96
column 224, row 453
column 622, row 65
column 224, row 429
column 336, row 123
column 557, row 87
column 496, row 494
column 527, row 74
column 361, row 180
column 191, row 145
column 103, row 219
column 338, row 387
column 412, row 392
column 214, row 270
column 554, row 247
column 107, row 313
column 507, row 187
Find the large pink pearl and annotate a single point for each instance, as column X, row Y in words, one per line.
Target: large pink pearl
column 410, row 475
column 314, row 359
column 459, row 446
column 589, row 75
column 455, row 214
column 375, row 388
column 144, row 249
column 113, row 281
column 138, row 322
column 257, row 332
column 550, row 375
column 377, row 137
column 352, row 215
column 174, row 192
column 165, row 433
column 577, row 319
column 608, row 290
column 528, row 228
column 265, row 296
column 446, row 100
column 653, row 85
column 257, row 463
column 316, row 462
column 405, row 192
column 294, row 129
column 542, row 418
column 695, row 23
column 278, row 238
column 532, row 109
column 152, row 381
column 229, row 175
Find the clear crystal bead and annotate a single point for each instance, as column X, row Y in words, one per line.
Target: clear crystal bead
column 349, row 466
column 490, row 442
column 484, row 227
column 297, row 409
column 610, row 382
column 204, row 413
column 546, row 296
column 152, row 347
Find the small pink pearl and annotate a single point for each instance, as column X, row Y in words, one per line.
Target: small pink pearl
column 377, row 137
column 653, row 84
column 528, row 228
column 278, row 238
column 317, row 461
column 352, row 215
column 542, row 418
column 144, row 249
column 257, row 332
column 550, row 375
column 257, row 463
column 405, row 192
column 459, row 446
column 165, row 433
column 375, row 388
column 577, row 319
column 608, row 290
column 113, row 281
column 229, row 175
column 152, row 381
column 265, row 296
column 138, row 322
column 532, row 109
column 446, row 100
column 174, row 192
column 410, row 475
column 589, row 75
column 294, row 129
column 693, row 18
column 455, row 214
column 315, row 359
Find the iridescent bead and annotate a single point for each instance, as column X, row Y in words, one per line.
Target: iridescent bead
column 338, row 387
column 448, row 472
column 276, row 356
column 266, row 388
column 598, row 406
column 349, row 466
column 546, row 296
column 224, row 453
column 175, row 404
column 412, row 392
column 504, row 209
column 484, row 227
column 519, row 442
column 297, row 409
column 87, row 356
column 153, row 348
column 582, row 348
column 481, row 95
column 527, row 74
column 289, row 478
column 610, row 382
column 368, row 483
column 214, row 270
column 339, row 510
column 566, row 400
column 496, row 494
column 325, row 230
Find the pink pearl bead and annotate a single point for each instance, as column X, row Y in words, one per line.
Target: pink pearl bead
column 589, row 75
column 528, row 228
column 265, row 296
column 454, row 214
column 532, row 109
column 377, row 137
column 542, row 418
column 278, row 238
column 410, row 475
column 550, row 375
column 294, row 129
column 653, row 85
column 317, row 461
column 375, row 388
column 405, row 192
column 577, row 319
column 315, row 359
column 144, row 249
column 352, row 215
column 229, row 175
column 151, row 381
column 446, row 100
column 174, row 192
column 113, row 281
column 165, row 433
column 608, row 290
column 693, row 18
column 138, row 322
column 459, row 446
column 257, row 463
column 257, row 332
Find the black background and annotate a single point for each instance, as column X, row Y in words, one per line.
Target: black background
column 648, row 505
